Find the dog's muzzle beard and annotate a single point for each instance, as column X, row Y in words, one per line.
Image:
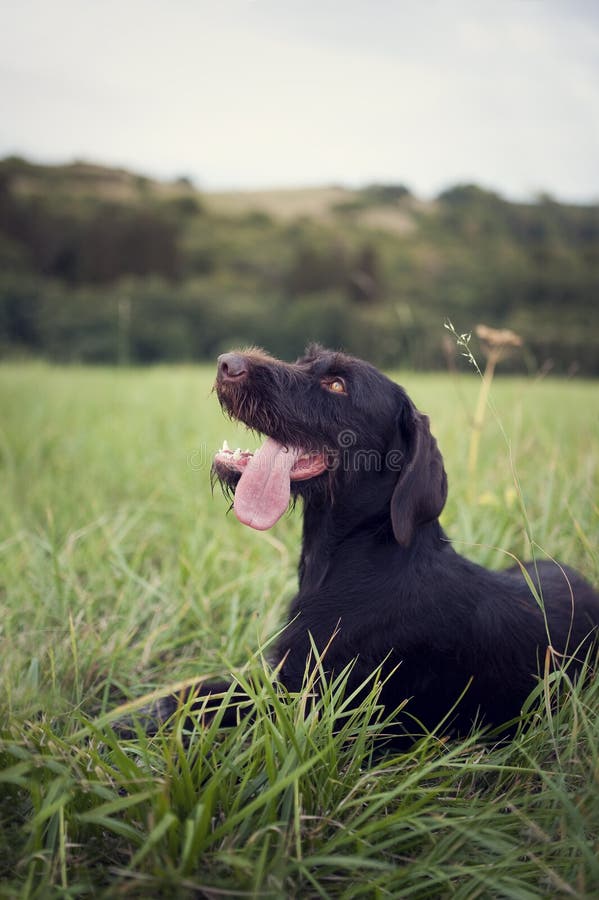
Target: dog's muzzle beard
column 262, row 480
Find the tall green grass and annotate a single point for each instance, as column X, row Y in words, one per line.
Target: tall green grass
column 121, row 573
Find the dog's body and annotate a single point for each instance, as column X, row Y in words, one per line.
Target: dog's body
column 379, row 582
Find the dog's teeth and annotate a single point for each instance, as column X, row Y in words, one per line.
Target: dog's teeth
column 247, row 450
column 237, row 454
column 225, row 445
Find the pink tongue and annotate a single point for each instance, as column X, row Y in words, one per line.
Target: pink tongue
column 262, row 492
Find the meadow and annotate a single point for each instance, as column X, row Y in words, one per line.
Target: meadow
column 121, row 573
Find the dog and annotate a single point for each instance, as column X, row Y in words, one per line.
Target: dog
column 380, row 585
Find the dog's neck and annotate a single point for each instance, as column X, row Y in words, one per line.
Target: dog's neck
column 327, row 528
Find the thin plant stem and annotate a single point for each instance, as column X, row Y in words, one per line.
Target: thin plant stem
column 481, row 409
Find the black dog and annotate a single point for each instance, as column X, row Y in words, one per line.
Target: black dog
column 376, row 569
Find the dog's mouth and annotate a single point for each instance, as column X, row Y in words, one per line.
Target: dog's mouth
column 263, row 479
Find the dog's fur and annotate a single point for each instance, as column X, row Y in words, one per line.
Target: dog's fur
column 376, row 569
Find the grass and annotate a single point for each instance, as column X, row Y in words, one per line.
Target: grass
column 120, row 573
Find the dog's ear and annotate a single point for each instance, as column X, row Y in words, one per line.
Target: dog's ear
column 421, row 489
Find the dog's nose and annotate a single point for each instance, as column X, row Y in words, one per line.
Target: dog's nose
column 232, row 367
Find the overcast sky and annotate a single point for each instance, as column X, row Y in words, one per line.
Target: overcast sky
column 256, row 93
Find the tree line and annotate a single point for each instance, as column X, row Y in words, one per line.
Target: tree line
column 101, row 265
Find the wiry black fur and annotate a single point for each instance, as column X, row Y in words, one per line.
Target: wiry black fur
column 377, row 569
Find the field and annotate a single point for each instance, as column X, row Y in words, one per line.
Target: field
column 121, row 573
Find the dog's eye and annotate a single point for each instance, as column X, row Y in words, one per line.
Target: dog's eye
column 336, row 385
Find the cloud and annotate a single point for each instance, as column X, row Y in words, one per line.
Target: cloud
column 264, row 93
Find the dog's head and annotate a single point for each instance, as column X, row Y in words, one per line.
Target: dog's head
column 336, row 427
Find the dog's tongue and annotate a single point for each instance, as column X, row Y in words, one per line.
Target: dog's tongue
column 262, row 492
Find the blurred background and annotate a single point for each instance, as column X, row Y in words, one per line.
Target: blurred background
column 177, row 179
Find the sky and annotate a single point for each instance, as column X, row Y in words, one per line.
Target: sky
column 271, row 93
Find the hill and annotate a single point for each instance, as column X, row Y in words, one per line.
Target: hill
column 101, row 264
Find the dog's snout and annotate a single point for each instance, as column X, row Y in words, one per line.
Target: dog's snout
column 232, row 367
